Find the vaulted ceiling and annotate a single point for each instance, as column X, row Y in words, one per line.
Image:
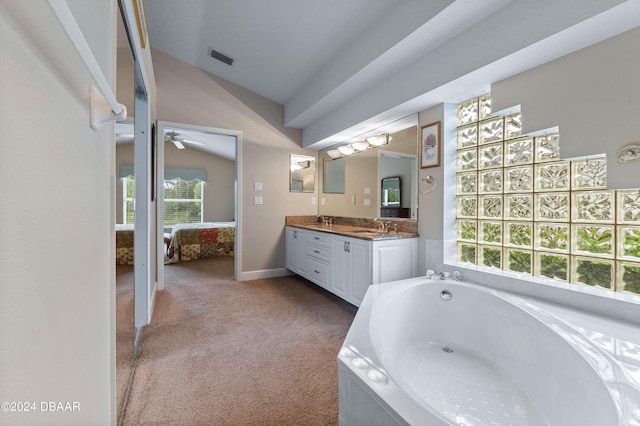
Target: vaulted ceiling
column 341, row 67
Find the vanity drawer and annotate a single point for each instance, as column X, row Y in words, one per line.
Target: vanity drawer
column 318, row 272
column 319, row 239
column 320, row 252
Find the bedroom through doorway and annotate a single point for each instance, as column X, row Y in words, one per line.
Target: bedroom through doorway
column 196, row 190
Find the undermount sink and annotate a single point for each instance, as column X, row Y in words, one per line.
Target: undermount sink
column 366, row 232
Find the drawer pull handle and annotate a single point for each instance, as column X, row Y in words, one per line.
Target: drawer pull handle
column 317, row 272
column 317, row 251
column 316, row 238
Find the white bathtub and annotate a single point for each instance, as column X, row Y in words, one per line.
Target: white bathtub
column 484, row 357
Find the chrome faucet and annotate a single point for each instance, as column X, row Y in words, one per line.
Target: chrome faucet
column 326, row 221
column 382, row 227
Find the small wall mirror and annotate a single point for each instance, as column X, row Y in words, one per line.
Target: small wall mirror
column 334, row 176
column 391, row 192
column 303, row 173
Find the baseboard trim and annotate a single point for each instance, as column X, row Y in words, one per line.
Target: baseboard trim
column 265, row 273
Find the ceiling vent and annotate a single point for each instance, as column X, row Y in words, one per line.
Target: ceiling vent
column 220, row 56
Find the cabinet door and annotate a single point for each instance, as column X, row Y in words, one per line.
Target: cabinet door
column 339, row 265
column 301, row 252
column 360, row 270
column 290, row 248
column 296, row 249
column 351, row 268
column 394, row 260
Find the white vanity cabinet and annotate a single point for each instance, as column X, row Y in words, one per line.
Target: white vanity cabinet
column 296, row 250
column 347, row 266
column 350, row 268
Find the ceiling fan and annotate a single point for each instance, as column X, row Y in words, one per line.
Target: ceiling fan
column 178, row 141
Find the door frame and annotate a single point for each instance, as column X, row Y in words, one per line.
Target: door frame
column 161, row 125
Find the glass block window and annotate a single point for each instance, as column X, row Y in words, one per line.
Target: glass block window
column 521, row 208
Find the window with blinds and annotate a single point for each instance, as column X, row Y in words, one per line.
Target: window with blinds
column 183, row 201
column 128, row 199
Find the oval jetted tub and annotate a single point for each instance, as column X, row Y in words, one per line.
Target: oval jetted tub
column 432, row 352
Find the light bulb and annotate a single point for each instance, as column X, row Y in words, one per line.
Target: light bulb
column 346, row 149
column 376, row 140
column 360, row 146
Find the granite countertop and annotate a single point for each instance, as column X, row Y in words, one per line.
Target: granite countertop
column 357, row 232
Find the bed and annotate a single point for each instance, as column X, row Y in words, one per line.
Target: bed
column 185, row 242
column 200, row 241
column 124, row 244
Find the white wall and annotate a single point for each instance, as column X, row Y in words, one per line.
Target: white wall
column 57, row 273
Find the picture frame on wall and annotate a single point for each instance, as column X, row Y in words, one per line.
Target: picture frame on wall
column 141, row 21
column 430, row 145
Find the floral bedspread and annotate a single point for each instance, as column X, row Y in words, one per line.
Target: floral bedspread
column 188, row 242
column 124, row 244
column 201, row 241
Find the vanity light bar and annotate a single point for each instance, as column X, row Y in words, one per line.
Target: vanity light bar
column 355, row 147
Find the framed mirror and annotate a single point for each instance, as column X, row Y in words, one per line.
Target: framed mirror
column 391, row 191
column 303, row 173
column 334, row 176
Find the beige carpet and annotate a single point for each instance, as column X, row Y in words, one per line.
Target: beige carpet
column 221, row 352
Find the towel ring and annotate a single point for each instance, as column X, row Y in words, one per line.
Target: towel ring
column 428, row 179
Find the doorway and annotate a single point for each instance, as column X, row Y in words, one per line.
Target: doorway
column 197, row 193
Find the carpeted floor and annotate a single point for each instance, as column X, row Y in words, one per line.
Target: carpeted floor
column 221, row 352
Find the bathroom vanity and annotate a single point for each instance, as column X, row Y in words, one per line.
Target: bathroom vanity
column 346, row 260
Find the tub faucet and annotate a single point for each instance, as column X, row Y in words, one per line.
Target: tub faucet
column 444, row 275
